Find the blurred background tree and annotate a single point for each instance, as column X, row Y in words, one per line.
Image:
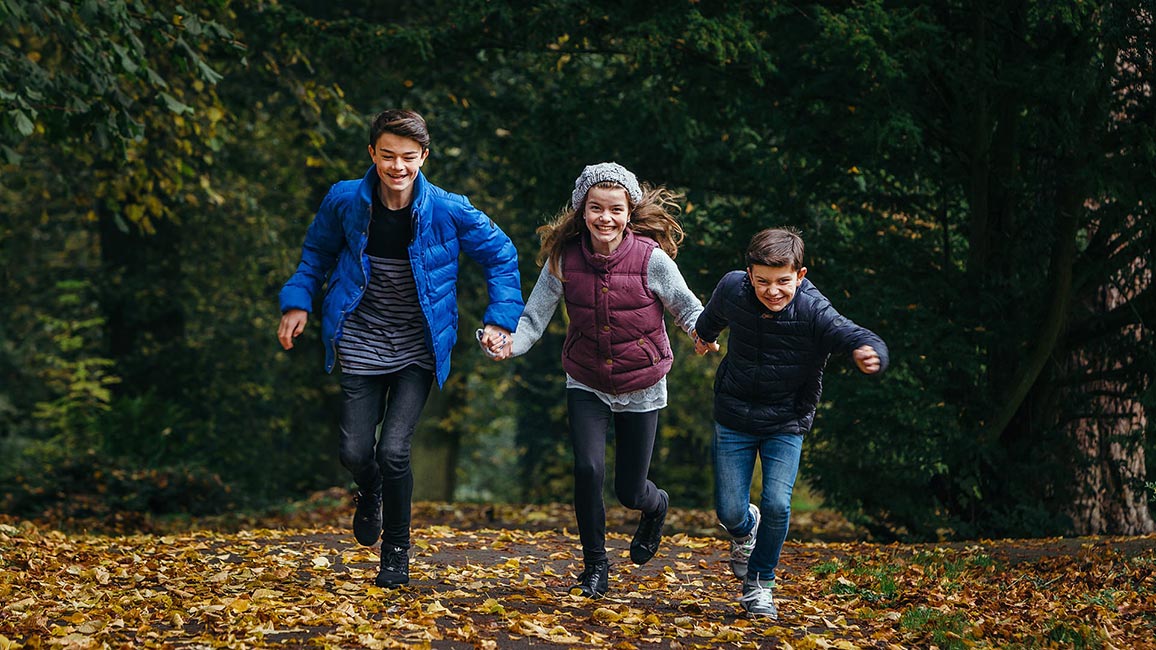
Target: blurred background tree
column 973, row 181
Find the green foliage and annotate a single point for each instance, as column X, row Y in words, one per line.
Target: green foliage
column 87, row 70
column 79, row 381
column 969, row 180
column 95, row 487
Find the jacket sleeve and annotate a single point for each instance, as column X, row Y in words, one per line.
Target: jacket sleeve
column 839, row 334
column 485, row 243
column 712, row 321
column 323, row 242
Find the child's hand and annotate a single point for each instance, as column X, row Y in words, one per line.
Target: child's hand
column 866, row 359
column 701, row 347
column 495, row 342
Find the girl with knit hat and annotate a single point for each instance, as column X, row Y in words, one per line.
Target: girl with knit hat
column 610, row 256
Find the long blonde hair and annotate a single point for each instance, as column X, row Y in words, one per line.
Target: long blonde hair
column 655, row 216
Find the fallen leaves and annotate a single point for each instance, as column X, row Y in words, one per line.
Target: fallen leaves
column 488, row 588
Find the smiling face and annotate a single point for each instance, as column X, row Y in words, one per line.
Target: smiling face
column 606, row 214
column 397, row 159
column 775, row 286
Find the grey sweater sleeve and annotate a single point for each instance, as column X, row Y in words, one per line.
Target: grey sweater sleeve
column 540, row 307
column 667, row 283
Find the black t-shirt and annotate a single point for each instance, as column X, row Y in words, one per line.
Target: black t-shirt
column 390, row 231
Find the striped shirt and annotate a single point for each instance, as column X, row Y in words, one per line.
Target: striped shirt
column 387, row 331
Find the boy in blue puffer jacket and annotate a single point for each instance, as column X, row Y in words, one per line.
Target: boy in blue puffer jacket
column 388, row 245
column 766, row 390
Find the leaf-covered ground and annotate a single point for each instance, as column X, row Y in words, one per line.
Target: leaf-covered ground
column 497, row 577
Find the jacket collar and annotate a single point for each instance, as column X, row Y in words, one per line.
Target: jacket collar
column 369, row 181
column 604, row 263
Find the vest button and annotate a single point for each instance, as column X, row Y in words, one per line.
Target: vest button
column 609, row 361
column 642, row 341
column 605, row 328
column 605, row 289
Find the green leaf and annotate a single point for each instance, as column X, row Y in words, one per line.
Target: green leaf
column 175, row 105
column 24, row 125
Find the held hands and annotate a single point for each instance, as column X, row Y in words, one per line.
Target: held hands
column 701, row 347
column 496, row 342
column 292, row 324
column 866, row 359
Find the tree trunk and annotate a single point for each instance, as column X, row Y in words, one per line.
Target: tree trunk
column 1108, row 435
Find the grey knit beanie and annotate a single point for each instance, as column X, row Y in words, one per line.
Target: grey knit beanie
column 607, row 171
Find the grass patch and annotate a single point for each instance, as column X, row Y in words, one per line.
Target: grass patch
column 1076, row 637
column 947, row 631
column 871, row 583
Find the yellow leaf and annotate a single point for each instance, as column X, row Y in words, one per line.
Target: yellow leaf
column 321, row 562
column 604, row 615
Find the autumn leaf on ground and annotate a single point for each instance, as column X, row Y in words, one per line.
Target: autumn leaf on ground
column 509, row 588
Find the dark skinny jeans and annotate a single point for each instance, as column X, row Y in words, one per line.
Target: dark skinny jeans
column 634, row 434
column 382, row 463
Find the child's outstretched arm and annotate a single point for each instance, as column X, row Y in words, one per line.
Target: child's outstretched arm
column 666, row 281
column 713, row 319
column 841, row 334
column 540, row 306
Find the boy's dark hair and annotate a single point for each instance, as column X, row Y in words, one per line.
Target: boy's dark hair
column 776, row 247
column 407, row 124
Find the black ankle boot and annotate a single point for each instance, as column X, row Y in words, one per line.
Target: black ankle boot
column 592, row 583
column 649, row 533
column 367, row 518
column 394, row 567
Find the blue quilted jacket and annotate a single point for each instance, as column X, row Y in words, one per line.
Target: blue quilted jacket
column 771, row 378
column 444, row 225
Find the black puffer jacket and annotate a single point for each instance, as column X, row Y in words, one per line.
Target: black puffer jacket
column 772, row 376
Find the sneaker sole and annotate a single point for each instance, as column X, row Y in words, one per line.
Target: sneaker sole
column 364, row 539
column 387, row 584
column 579, row 591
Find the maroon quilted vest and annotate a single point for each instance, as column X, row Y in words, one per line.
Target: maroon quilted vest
column 616, row 342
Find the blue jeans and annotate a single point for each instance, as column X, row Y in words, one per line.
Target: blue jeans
column 734, row 467
column 380, row 464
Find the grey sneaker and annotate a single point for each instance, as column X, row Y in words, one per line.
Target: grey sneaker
column 742, row 547
column 757, row 597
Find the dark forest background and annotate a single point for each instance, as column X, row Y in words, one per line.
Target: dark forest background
column 975, row 182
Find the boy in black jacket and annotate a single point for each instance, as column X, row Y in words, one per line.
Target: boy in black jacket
column 766, row 390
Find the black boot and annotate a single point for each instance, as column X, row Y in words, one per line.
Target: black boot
column 592, row 583
column 394, row 567
column 367, row 518
column 649, row 533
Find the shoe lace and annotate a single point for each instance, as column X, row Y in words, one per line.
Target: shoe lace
column 589, row 577
column 758, row 595
column 648, row 528
column 742, row 547
column 395, row 558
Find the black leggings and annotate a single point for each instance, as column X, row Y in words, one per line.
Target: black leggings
column 634, row 432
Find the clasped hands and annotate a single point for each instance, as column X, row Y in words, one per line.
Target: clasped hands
column 496, row 342
column 702, row 347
